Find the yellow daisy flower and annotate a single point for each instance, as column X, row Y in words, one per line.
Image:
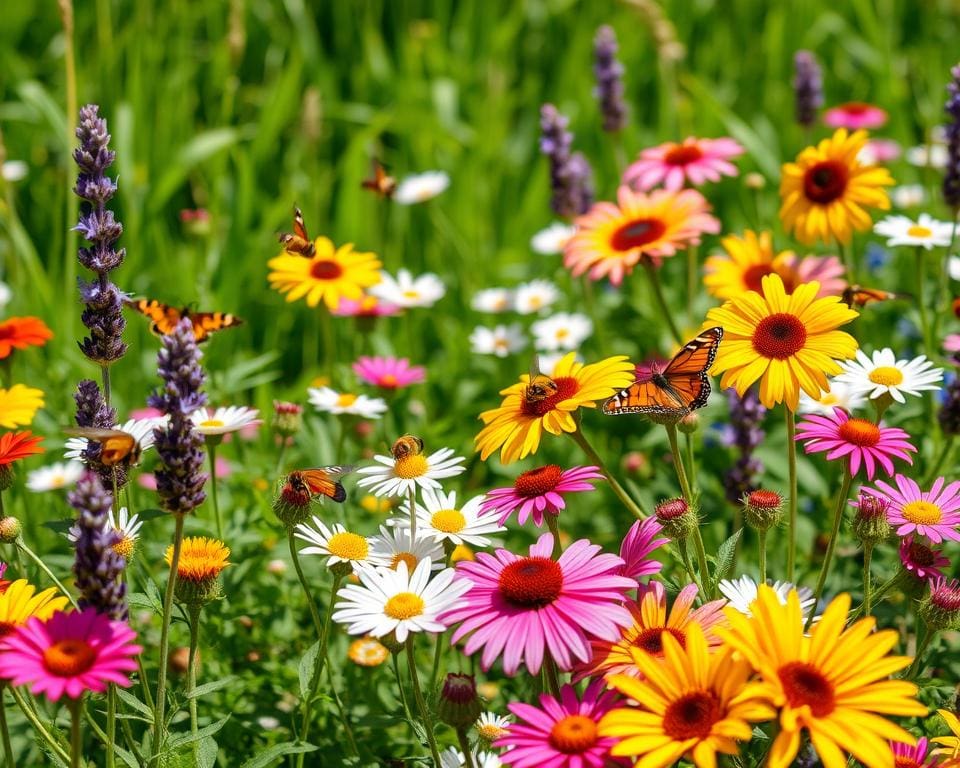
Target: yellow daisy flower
column 18, row 405
column 19, row 602
column 516, row 426
column 329, row 275
column 835, row 683
column 693, row 703
column 823, row 193
column 201, row 559
column 951, row 743
column 787, row 341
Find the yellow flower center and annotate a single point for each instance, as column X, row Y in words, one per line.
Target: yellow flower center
column 536, row 302
column 411, row 294
column 573, row 735
column 917, row 231
column 404, row 557
column 348, row 546
column 388, row 380
column 211, row 423
column 562, row 333
column 490, row 732
column 346, row 400
column 125, row 547
column 829, row 399
column 461, row 552
column 886, row 376
column 448, row 521
column 404, row 605
column 410, row 466
column 922, row 512
column 58, row 481
column 68, row 658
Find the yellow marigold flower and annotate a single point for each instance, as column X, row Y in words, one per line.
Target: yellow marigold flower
column 18, row 405
column 823, row 193
column 693, row 702
column 787, row 341
column 515, row 427
column 367, row 652
column 329, row 275
column 201, row 559
column 18, row 603
column 835, row 683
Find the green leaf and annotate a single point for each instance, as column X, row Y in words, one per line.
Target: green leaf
column 725, row 556
column 307, row 667
column 180, row 739
column 134, row 703
column 207, row 751
column 201, row 147
column 216, row 685
column 126, row 757
column 277, row 750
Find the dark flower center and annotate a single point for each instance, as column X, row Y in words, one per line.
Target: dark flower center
column 651, row 640
column 567, row 386
column 692, row 716
column 531, row 582
column 779, row 336
column 683, row 154
column 637, row 233
column 325, row 269
column 920, row 554
column 803, row 684
column 671, row 509
column 825, row 182
column 538, row 481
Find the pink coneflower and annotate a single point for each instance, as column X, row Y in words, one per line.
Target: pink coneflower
column 855, row 115
column 859, row 440
column 879, row 152
column 537, row 491
column 639, row 542
column 695, row 161
column 388, row 372
column 922, row 561
column 934, row 513
column 951, row 343
column 826, row 270
column 523, row 607
column 905, row 756
column 367, row 306
column 560, row 733
column 69, row 653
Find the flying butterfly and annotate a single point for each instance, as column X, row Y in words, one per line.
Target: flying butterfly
column 117, row 448
column 320, row 481
column 539, row 386
column 382, row 184
column 299, row 242
column 859, row 296
column 164, row 318
column 674, row 389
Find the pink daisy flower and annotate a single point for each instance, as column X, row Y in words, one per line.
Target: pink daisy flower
column 905, row 756
column 879, row 151
column 934, row 513
column 522, row 607
column 922, row 561
column 388, row 372
column 826, row 270
column 695, row 161
column 639, row 542
column 69, row 653
column 951, row 343
column 367, row 306
column 855, row 115
column 560, row 733
column 859, row 440
column 537, row 491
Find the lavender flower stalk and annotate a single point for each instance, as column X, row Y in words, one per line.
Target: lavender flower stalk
column 92, row 411
column 951, row 180
column 571, row 179
column 746, row 415
column 807, row 87
column 98, row 567
column 609, row 73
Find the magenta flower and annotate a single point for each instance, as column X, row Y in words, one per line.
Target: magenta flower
column 388, row 372
column 934, row 513
column 366, row 306
column 951, row 343
column 637, row 544
column 855, row 115
column 905, row 756
column 560, row 733
column 69, row 653
column 922, row 561
column 695, row 161
column 537, row 491
column 522, row 607
column 861, row 441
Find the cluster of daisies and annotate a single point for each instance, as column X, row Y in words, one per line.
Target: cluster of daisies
column 387, row 373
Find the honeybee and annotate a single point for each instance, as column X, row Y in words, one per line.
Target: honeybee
column 540, row 386
column 382, row 184
column 320, row 481
column 299, row 242
column 117, row 448
column 408, row 445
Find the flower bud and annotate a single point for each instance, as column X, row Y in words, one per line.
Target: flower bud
column 293, row 504
column 689, row 424
column 287, row 418
column 637, row 463
column 754, row 181
column 870, row 524
column 459, row 705
column 390, row 643
column 762, row 509
column 10, row 529
column 277, row 567
column 941, row 608
column 676, row 517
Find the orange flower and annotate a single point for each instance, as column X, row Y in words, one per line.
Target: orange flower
column 18, row 445
column 22, row 332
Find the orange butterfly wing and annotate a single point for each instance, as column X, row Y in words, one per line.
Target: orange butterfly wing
column 643, row 397
column 324, row 480
column 163, row 318
column 205, row 323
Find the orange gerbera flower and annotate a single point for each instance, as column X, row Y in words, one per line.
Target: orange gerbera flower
column 18, row 445
column 22, row 332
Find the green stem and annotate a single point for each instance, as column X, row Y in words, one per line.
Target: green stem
column 314, row 613
column 692, row 282
column 920, row 274
column 688, row 565
column 792, row 498
column 43, row 567
column 76, row 736
column 702, row 563
column 691, row 465
column 105, row 375
column 39, row 727
column 421, row 704
column 437, row 655
column 281, row 454
column 876, row 596
column 635, row 509
column 159, row 724
column 5, row 730
column 111, row 734
column 678, row 463
column 395, row 663
column 925, row 639
column 195, row 610
column 326, row 325
column 212, row 453
column 867, row 578
column 465, row 748
column 341, row 713
column 412, row 499
column 553, row 678
column 832, row 543
column 665, row 312
column 554, row 528
column 945, row 450
column 762, row 554
column 145, row 684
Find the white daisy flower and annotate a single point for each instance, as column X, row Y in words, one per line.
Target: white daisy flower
column 564, row 330
column 838, row 396
column 394, row 546
column 406, row 291
column 338, row 545
column 63, row 474
column 141, row 429
column 926, row 231
column 883, row 373
column 928, row 156
column 491, row 726
column 552, row 239
column 398, row 601
column 501, row 340
column 14, row 170
column 128, row 526
column 397, row 477
column 440, row 519
column 492, row 300
column 421, row 187
column 534, row 296
column 908, row 195
column 743, row 591
column 452, row 757
column 330, row 401
column 233, row 418
column 953, row 267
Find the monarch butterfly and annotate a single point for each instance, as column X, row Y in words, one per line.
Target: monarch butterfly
column 164, row 318
column 673, row 389
column 320, row 481
column 858, row 296
column 539, row 386
column 116, row 446
column 382, row 184
column 408, row 445
column 299, row 242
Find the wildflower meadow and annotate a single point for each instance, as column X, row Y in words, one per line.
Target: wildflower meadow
column 543, row 384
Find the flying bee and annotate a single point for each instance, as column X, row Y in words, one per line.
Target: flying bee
column 859, row 296
column 320, row 481
column 299, row 242
column 408, row 445
column 117, row 448
column 382, row 184
column 540, row 386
